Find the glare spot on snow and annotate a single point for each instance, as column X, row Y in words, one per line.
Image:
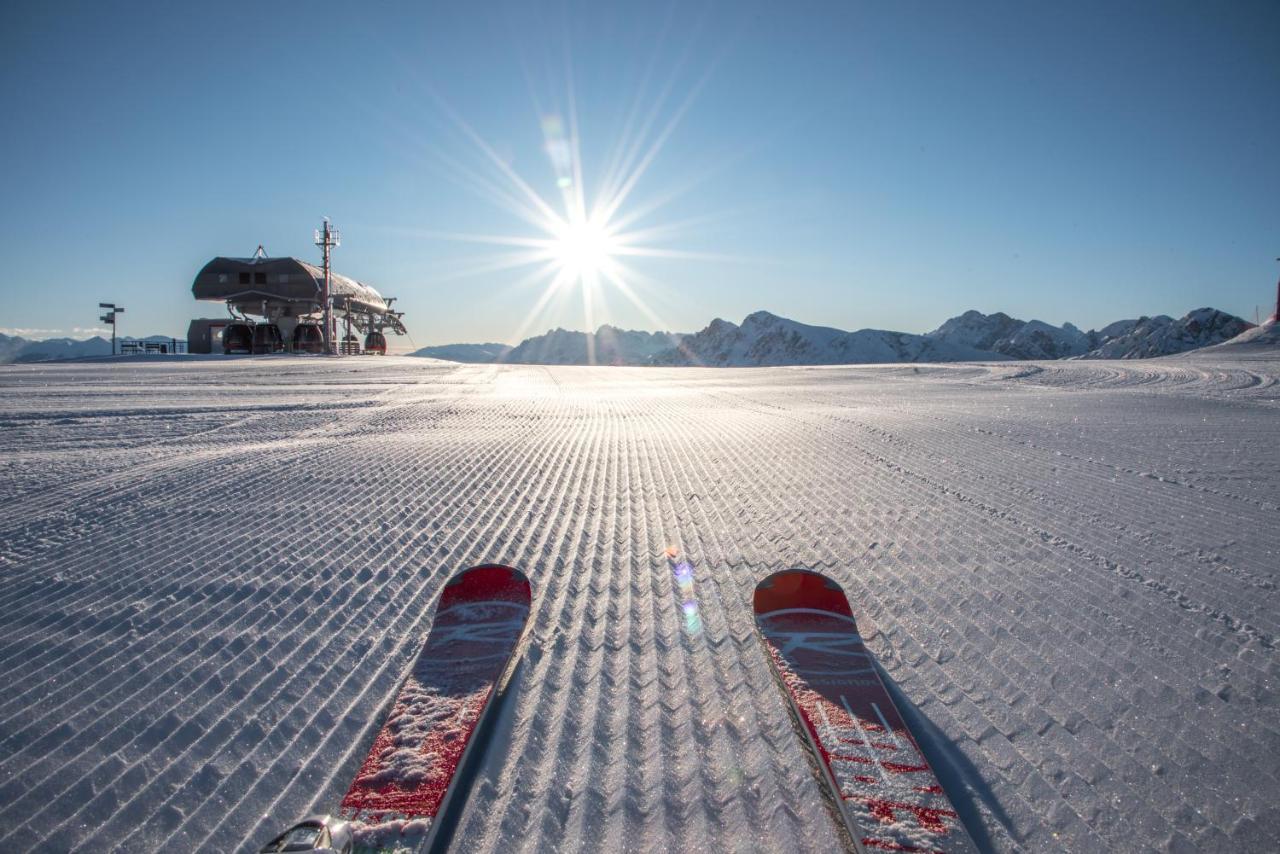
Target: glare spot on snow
column 688, row 597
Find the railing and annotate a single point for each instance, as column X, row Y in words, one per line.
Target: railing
column 135, row 347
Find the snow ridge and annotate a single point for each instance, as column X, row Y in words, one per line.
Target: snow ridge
column 1143, row 338
column 765, row 339
column 608, row 345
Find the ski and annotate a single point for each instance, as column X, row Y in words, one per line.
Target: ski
column 410, row 772
column 880, row 784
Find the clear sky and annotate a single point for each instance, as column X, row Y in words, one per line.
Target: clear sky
column 851, row 164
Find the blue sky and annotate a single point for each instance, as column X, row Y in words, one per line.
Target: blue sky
column 849, row 164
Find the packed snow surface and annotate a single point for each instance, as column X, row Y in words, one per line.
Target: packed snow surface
column 215, row 574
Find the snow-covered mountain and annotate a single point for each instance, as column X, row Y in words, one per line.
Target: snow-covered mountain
column 608, row 345
column 977, row 330
column 1014, row 338
column 473, row 353
column 1164, row 336
column 1255, row 342
column 16, row 349
column 1142, row 338
column 766, row 339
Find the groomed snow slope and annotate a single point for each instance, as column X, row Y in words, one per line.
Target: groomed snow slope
column 213, row 574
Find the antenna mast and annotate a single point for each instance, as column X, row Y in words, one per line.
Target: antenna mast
column 1275, row 318
column 327, row 239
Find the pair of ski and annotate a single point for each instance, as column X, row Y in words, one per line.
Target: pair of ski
column 882, row 789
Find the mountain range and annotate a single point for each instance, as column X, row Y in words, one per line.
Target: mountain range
column 16, row 349
column 767, row 339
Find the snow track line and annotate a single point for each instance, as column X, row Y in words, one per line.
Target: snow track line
column 1011, row 484
column 1052, row 686
column 535, row 556
column 1175, row 676
column 1040, row 532
column 748, row 637
column 344, row 770
column 358, row 748
column 692, row 543
column 10, row 604
column 299, row 645
column 180, row 629
column 536, row 775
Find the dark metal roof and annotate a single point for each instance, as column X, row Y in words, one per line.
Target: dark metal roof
column 280, row 280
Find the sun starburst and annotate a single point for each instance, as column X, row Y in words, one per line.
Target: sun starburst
column 583, row 247
column 579, row 242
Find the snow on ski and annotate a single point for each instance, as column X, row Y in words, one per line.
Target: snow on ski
column 886, row 792
column 410, row 770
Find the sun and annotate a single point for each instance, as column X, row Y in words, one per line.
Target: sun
column 583, row 247
column 576, row 242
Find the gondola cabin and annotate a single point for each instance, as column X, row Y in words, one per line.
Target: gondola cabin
column 237, row 339
column 308, row 338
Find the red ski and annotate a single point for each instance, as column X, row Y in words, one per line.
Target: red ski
column 410, row 771
column 887, row 795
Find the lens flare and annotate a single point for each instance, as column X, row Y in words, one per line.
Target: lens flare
column 688, row 597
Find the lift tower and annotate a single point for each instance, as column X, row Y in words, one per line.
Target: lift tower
column 327, row 239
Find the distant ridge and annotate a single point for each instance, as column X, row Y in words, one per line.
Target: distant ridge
column 608, row 345
column 465, row 352
column 767, row 339
column 1142, row 338
column 16, row 349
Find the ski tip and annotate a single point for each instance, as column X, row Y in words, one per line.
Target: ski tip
column 800, row 588
column 490, row 581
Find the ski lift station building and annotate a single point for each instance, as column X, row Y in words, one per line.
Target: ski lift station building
column 276, row 305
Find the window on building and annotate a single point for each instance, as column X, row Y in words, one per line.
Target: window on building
column 259, row 278
column 244, row 278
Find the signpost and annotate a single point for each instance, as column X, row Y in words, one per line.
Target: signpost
column 110, row 317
